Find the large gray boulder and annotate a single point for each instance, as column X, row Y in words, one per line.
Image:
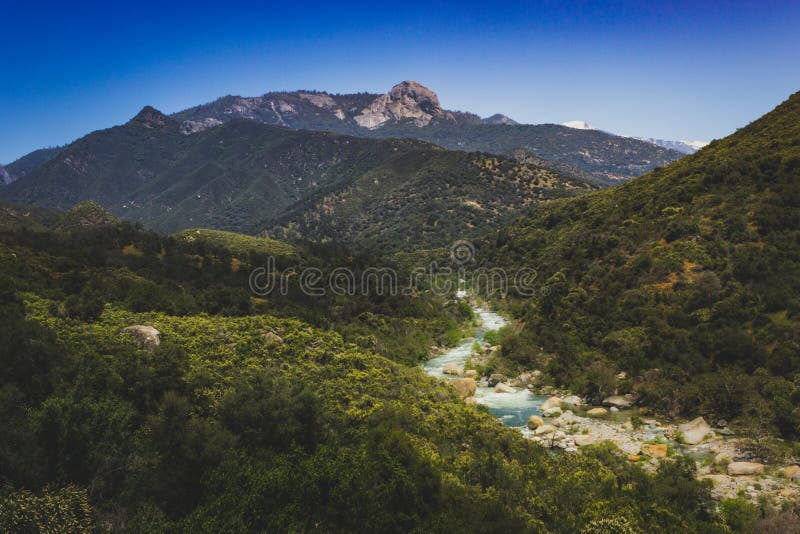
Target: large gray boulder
column 145, row 337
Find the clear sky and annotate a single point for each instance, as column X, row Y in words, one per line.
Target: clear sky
column 669, row 69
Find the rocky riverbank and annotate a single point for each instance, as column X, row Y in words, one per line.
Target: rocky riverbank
column 564, row 422
column 567, row 423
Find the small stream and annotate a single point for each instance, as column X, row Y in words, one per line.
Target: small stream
column 513, row 409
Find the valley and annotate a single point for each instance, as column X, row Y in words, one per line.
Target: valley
column 642, row 376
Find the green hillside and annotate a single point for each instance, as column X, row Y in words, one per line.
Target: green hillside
column 405, row 207
column 246, row 177
column 238, row 243
column 687, row 279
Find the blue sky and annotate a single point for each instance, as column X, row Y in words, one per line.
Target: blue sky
column 676, row 70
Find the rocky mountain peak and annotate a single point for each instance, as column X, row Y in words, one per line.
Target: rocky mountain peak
column 150, row 117
column 410, row 90
column 406, row 100
column 499, row 118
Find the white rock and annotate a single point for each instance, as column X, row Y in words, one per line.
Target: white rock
column 617, row 401
column 695, row 431
column 544, row 429
column 146, row 337
column 573, row 400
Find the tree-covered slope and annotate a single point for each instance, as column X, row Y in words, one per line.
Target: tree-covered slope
column 408, row 206
column 29, row 162
column 607, row 158
column 241, row 417
column 245, row 176
column 687, row 279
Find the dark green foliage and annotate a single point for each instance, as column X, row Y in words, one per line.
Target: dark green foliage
column 243, row 421
column 687, row 278
column 29, row 162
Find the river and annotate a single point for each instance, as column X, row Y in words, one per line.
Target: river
column 513, row 409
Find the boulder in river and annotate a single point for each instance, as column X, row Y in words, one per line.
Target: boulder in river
column 504, row 388
column 745, row 468
column 535, row 422
column 453, row 369
column 496, row 378
column 465, row 387
column 618, row 401
column 694, row 431
column 597, row 412
column 573, row 400
column 472, row 373
column 145, row 337
column 552, row 402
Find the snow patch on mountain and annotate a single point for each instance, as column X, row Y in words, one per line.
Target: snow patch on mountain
column 578, row 125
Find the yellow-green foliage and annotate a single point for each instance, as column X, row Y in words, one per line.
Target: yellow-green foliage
column 238, row 243
column 260, row 423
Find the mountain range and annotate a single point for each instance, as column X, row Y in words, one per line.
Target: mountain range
column 247, row 176
column 684, row 147
column 411, row 110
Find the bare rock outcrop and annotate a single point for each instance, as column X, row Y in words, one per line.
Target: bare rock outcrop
column 406, row 100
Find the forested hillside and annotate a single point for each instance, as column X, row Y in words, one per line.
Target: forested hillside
column 686, row 279
column 248, row 177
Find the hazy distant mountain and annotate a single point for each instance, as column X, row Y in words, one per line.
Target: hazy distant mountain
column 684, row 147
column 246, row 176
column 687, row 147
column 412, row 110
